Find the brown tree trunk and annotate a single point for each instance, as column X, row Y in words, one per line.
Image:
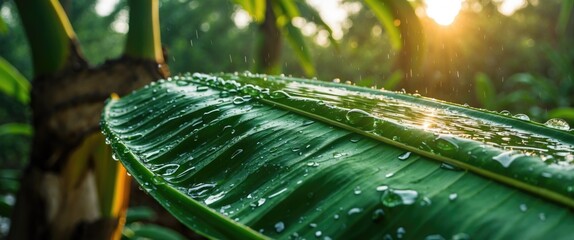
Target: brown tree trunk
column 269, row 52
column 66, row 113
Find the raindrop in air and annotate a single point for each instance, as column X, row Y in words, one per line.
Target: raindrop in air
column 404, row 156
column 396, row 197
column 557, row 123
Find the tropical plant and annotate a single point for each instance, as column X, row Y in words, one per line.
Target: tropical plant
column 275, row 20
column 72, row 188
column 254, row 156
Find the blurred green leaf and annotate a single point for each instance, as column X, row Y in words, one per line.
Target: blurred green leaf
column 297, row 42
column 566, row 113
column 16, row 129
column 150, row 231
column 12, row 83
column 9, row 186
column 3, row 26
column 383, row 10
column 564, row 16
column 10, row 173
column 485, row 91
column 288, row 9
column 5, row 208
column 255, row 8
column 315, row 17
column 394, row 80
column 141, row 213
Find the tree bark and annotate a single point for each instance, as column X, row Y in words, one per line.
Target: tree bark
column 269, row 53
column 66, row 110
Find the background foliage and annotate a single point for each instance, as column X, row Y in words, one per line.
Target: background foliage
column 521, row 62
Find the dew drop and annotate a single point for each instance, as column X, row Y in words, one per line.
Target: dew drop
column 450, row 167
column 238, row 100
column 522, row 116
column 506, row 158
column 251, row 90
column 157, row 180
column 313, row 164
column 505, row 112
column 357, row 190
column 279, row 94
column 237, row 152
column 404, row 156
column 523, row 207
column 460, row 236
column 354, row 211
column 201, row 88
column 452, row 196
column 182, row 83
column 360, row 119
column 279, row 227
column 542, row 217
column 115, row 157
column 401, row 232
column 557, row 123
column 318, row 234
column 434, row 237
column 446, row 143
column 378, row 214
column 396, row 197
column 389, row 175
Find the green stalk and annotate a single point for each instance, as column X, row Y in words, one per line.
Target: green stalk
column 49, row 33
column 143, row 40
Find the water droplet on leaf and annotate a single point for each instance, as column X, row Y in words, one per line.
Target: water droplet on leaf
column 522, row 117
column 360, row 119
column 558, row 123
column 396, row 197
column 279, row 227
column 404, row 156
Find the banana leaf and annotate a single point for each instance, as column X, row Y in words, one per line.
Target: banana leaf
column 249, row 156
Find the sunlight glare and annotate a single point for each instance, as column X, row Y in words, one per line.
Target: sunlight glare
column 443, row 12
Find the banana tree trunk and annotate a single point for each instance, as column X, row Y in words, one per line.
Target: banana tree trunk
column 59, row 195
column 72, row 189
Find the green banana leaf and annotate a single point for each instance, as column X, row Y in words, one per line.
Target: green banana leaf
column 252, row 156
column 12, row 83
column 255, row 8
